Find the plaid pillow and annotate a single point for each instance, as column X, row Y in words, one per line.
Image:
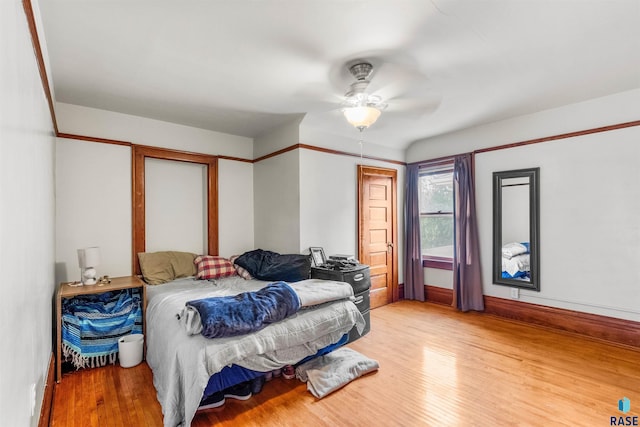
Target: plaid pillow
column 242, row 272
column 213, row 267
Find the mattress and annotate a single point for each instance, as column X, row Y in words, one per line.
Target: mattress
column 183, row 364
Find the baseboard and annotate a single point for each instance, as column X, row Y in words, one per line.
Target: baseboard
column 620, row 331
column 47, row 399
column 432, row 294
column 439, row 295
column 611, row 329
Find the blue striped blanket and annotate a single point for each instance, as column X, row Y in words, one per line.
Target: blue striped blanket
column 247, row 312
column 92, row 325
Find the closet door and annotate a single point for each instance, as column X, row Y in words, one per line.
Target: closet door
column 176, row 206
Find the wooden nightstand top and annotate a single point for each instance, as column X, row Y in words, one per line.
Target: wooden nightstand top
column 117, row 283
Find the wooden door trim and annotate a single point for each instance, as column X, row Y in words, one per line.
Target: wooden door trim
column 138, row 155
column 393, row 174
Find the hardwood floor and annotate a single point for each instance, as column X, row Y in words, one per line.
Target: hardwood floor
column 438, row 367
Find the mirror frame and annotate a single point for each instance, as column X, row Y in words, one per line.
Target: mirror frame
column 534, row 227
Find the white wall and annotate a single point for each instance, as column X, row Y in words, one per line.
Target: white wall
column 307, row 198
column 329, row 203
column 93, row 206
column 326, row 139
column 589, row 199
column 276, row 183
column 281, row 137
column 175, row 206
column 438, row 278
column 329, row 189
column 78, row 120
column 235, row 211
column 107, row 169
column 613, row 109
column 589, row 228
column 26, row 222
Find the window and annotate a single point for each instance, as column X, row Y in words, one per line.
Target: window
column 436, row 216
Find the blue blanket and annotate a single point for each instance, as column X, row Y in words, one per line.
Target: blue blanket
column 92, row 325
column 247, row 312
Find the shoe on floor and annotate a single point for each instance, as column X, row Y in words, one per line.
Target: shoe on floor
column 214, row 401
column 240, row 391
column 288, row 372
column 256, row 384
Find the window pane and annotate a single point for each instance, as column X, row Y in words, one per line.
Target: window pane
column 436, row 232
column 436, row 192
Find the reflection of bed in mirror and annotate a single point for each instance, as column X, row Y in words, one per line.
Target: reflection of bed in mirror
column 516, row 261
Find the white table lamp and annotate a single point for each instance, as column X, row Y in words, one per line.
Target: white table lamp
column 88, row 259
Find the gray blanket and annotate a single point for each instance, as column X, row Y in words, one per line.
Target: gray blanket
column 330, row 372
column 182, row 363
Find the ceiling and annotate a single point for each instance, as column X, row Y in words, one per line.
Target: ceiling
column 244, row 67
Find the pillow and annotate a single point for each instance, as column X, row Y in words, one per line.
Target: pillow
column 213, row 267
column 164, row 266
column 241, row 271
column 514, row 249
column 182, row 263
column 156, row 267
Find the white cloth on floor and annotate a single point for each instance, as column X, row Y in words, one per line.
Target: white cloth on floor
column 328, row 373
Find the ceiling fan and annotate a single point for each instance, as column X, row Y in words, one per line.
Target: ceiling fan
column 363, row 103
column 360, row 108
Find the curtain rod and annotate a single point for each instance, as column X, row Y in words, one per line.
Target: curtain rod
column 443, row 160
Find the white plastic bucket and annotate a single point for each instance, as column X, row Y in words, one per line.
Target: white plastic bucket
column 130, row 350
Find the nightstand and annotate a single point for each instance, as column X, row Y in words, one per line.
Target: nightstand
column 360, row 280
column 65, row 290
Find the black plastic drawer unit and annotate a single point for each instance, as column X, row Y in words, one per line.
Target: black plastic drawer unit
column 359, row 278
column 364, row 304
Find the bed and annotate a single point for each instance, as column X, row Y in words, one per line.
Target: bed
column 184, row 364
column 516, row 262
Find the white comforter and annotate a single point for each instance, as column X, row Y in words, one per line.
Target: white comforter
column 182, row 363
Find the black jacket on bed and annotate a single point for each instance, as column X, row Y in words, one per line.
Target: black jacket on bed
column 268, row 265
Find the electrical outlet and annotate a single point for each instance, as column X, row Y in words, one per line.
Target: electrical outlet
column 32, row 398
column 515, row 293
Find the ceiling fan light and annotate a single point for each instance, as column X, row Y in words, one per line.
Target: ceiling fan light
column 361, row 117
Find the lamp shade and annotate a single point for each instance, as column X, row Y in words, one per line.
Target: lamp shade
column 361, row 117
column 89, row 257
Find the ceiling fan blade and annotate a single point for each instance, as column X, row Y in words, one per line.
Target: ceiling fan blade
column 414, row 107
column 315, row 97
column 415, row 102
column 391, row 80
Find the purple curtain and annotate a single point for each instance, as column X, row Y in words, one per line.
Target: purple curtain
column 413, row 272
column 467, row 278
